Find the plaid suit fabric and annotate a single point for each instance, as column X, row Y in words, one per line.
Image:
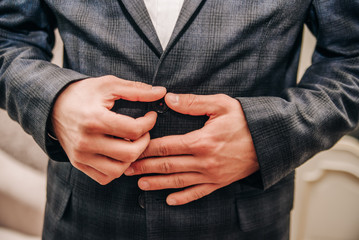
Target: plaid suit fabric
column 245, row 49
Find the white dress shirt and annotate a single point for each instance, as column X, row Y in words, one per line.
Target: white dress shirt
column 164, row 15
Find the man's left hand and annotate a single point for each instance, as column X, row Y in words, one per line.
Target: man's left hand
column 202, row 161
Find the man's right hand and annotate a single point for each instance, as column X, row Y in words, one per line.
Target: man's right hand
column 99, row 142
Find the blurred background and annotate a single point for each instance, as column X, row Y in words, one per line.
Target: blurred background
column 326, row 203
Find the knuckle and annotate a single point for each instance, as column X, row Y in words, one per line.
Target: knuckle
column 81, row 144
column 77, row 157
column 141, row 85
column 222, row 97
column 132, row 156
column 162, row 150
column 201, row 145
column 216, row 177
column 166, row 167
column 136, row 131
column 191, row 100
column 198, row 141
column 107, row 80
column 178, row 182
column 109, row 76
column 90, row 122
column 113, row 173
column 206, row 143
column 212, row 166
column 104, row 180
column 186, row 142
column 142, row 168
column 225, row 102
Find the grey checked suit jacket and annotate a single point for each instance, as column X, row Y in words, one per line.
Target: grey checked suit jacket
column 247, row 49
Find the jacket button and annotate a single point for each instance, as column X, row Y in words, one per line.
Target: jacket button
column 141, row 201
column 159, row 106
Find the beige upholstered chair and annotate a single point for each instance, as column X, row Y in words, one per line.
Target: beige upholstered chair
column 327, row 195
column 22, row 183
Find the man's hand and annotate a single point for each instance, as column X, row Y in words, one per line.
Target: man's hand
column 99, row 142
column 204, row 160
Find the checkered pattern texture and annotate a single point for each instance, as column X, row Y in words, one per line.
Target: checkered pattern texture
column 245, row 49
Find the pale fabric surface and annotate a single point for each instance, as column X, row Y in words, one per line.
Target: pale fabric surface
column 327, row 195
column 7, row 234
column 15, row 142
column 164, row 15
column 22, row 197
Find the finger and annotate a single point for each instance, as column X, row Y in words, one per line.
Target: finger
column 197, row 105
column 122, row 126
column 120, row 149
column 170, row 145
column 107, row 166
column 134, row 91
column 135, row 94
column 191, row 194
column 164, row 165
column 179, row 180
column 93, row 173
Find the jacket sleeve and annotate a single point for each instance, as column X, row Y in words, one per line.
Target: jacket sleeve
column 314, row 115
column 29, row 83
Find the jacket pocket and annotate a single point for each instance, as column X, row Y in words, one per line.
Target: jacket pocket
column 257, row 208
column 58, row 196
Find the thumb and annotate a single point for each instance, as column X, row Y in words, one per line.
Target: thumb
column 197, row 105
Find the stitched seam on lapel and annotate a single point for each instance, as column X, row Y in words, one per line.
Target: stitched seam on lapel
column 138, row 16
column 187, row 15
column 182, row 24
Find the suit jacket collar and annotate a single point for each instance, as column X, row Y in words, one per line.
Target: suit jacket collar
column 190, row 7
column 138, row 12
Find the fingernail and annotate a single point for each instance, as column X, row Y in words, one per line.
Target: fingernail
column 171, row 201
column 173, row 98
column 144, row 185
column 157, row 89
column 129, row 171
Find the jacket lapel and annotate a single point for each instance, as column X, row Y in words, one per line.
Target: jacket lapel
column 188, row 10
column 137, row 10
